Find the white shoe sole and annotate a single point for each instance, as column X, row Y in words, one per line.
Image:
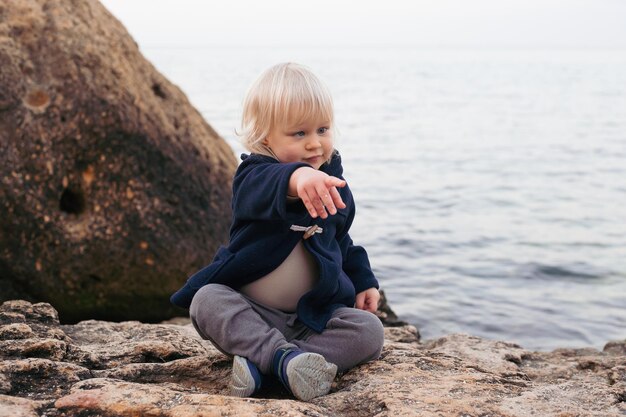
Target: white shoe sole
column 241, row 380
column 310, row 376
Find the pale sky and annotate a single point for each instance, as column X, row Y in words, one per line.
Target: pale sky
column 430, row 23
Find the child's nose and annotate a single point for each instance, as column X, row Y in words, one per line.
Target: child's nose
column 313, row 143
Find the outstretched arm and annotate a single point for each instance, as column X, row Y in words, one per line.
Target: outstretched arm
column 317, row 190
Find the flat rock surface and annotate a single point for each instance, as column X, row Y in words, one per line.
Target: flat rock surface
column 97, row 368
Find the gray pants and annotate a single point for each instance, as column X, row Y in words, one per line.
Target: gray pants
column 237, row 325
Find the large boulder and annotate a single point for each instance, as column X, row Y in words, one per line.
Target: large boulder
column 114, row 188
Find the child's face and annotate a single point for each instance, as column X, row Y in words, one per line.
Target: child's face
column 310, row 141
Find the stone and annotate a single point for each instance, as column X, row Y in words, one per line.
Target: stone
column 113, row 344
column 31, row 331
column 41, row 377
column 136, row 369
column 39, row 313
column 19, row 407
column 493, row 357
column 125, row 399
column 203, row 372
column 615, row 347
column 114, row 188
column 386, row 315
column 16, row 331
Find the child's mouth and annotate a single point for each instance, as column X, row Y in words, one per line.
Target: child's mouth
column 313, row 159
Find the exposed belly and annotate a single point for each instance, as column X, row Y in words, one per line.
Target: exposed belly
column 283, row 287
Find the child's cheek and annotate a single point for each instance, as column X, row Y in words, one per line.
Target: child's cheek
column 291, row 155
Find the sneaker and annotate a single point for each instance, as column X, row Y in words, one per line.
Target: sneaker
column 306, row 375
column 245, row 379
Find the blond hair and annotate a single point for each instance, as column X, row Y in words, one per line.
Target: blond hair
column 284, row 94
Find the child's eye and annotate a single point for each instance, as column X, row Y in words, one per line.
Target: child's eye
column 322, row 130
column 299, row 134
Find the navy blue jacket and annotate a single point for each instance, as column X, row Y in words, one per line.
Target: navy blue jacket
column 261, row 239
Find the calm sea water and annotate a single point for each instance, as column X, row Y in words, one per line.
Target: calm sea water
column 490, row 184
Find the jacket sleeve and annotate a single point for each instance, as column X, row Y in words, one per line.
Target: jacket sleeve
column 356, row 263
column 260, row 192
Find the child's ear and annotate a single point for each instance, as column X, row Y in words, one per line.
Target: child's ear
column 265, row 141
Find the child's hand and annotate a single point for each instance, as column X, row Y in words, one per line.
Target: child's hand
column 368, row 300
column 317, row 190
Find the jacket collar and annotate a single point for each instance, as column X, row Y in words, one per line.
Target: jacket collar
column 333, row 167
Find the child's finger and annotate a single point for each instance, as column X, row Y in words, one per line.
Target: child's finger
column 327, row 200
column 318, row 204
column 331, row 181
column 306, row 200
column 360, row 301
column 334, row 194
column 372, row 306
column 373, row 300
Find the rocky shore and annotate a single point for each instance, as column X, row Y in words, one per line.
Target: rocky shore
column 98, row 368
column 114, row 189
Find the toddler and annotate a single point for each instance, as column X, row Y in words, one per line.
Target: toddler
column 291, row 296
